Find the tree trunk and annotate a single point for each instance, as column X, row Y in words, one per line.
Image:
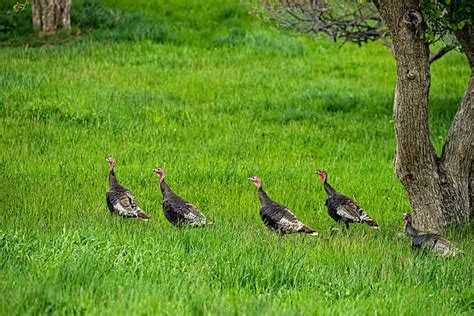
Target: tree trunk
column 51, row 15
column 438, row 188
column 457, row 157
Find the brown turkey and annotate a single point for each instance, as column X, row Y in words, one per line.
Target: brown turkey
column 120, row 200
column 431, row 241
column 177, row 210
column 343, row 209
column 278, row 217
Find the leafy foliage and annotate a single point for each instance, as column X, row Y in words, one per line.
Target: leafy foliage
column 443, row 17
column 20, row 6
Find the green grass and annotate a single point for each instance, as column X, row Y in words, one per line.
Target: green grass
column 240, row 100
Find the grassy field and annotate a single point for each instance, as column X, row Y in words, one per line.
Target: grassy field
column 214, row 99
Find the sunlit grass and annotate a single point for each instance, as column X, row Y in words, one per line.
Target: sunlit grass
column 212, row 114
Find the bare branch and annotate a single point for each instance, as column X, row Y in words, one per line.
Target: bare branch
column 386, row 42
column 441, row 52
column 356, row 22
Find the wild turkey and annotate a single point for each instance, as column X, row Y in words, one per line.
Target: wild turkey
column 177, row 210
column 343, row 209
column 278, row 217
column 120, row 200
column 431, row 241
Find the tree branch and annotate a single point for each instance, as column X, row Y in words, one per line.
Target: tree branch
column 386, row 42
column 441, row 52
column 457, row 158
column 357, row 22
column 459, row 144
column 458, row 150
column 466, row 37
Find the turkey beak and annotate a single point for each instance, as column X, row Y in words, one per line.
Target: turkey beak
column 250, row 179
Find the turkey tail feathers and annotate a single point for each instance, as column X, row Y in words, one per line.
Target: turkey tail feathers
column 372, row 224
column 307, row 230
column 365, row 218
column 143, row 215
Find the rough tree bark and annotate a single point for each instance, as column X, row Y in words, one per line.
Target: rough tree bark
column 51, row 15
column 439, row 188
column 457, row 158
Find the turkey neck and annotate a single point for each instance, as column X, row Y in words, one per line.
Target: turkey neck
column 328, row 188
column 113, row 183
column 165, row 189
column 411, row 231
column 264, row 199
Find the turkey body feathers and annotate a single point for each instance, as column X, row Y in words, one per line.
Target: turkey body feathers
column 344, row 210
column 341, row 208
column 280, row 218
column 431, row 241
column 178, row 211
column 121, row 201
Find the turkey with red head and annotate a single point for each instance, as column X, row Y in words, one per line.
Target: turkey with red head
column 278, row 217
column 431, row 241
column 177, row 210
column 343, row 209
column 120, row 200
